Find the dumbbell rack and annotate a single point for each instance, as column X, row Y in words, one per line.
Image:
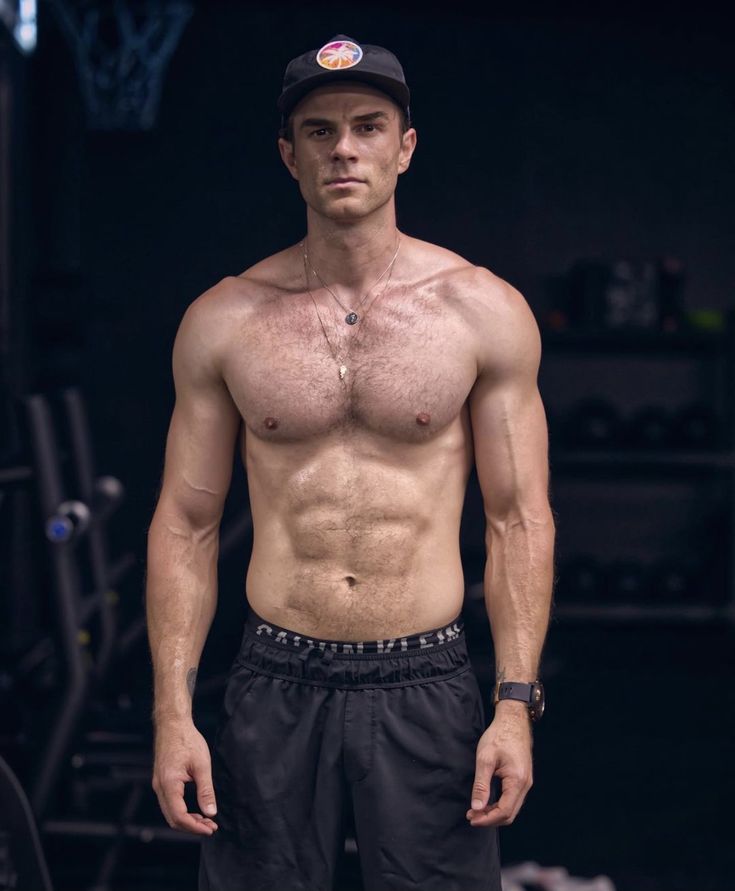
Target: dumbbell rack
column 717, row 345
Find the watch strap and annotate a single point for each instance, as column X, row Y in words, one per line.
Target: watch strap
column 515, row 690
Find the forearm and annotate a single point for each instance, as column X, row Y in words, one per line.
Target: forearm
column 181, row 599
column 518, row 589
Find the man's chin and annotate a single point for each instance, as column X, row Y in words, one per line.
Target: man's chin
column 345, row 209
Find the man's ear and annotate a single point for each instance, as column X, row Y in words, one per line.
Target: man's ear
column 408, row 145
column 288, row 156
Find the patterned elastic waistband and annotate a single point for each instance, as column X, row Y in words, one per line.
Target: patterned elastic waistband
column 423, row 640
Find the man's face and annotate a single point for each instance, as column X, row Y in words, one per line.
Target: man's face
column 347, row 149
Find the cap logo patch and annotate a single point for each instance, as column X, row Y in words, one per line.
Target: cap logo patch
column 339, row 54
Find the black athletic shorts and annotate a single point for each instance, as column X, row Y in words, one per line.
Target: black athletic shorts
column 311, row 727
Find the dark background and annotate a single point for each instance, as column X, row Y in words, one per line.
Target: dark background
column 543, row 138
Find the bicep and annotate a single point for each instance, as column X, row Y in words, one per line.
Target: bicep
column 203, row 428
column 508, row 420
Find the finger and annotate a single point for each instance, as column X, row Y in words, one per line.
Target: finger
column 202, row 773
column 504, row 810
column 176, row 813
column 162, row 796
column 206, row 821
column 481, row 786
column 194, row 823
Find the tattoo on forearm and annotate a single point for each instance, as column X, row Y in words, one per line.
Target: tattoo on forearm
column 191, row 677
column 499, row 678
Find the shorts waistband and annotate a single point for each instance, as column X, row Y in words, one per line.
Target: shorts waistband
column 433, row 639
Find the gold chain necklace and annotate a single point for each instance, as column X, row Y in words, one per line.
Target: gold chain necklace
column 339, row 359
column 352, row 317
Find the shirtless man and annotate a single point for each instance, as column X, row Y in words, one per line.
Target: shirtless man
column 352, row 686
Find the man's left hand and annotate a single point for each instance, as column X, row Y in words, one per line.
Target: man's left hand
column 504, row 750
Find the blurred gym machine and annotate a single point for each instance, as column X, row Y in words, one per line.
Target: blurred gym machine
column 69, row 521
column 91, row 772
column 22, row 861
column 73, row 656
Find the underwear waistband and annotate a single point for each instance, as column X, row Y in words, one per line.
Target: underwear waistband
column 267, row 631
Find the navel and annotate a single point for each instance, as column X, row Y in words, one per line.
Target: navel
column 423, row 418
column 271, row 423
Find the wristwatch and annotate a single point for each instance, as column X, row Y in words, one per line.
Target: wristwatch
column 532, row 694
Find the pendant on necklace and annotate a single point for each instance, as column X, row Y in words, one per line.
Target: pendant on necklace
column 351, row 318
column 342, row 372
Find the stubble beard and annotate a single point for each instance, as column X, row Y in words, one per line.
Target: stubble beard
column 349, row 209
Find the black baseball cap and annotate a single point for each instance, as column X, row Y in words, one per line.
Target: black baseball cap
column 342, row 58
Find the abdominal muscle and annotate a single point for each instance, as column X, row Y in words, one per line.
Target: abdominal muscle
column 356, row 539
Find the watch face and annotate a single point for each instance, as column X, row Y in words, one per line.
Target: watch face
column 538, row 701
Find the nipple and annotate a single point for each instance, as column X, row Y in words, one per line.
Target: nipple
column 423, row 418
column 271, row 423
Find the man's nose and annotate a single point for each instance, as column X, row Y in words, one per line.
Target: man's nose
column 345, row 146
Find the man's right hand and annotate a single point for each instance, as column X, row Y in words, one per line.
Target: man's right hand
column 182, row 756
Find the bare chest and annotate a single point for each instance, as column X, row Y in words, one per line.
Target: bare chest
column 404, row 372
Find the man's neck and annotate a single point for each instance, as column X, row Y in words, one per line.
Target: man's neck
column 350, row 256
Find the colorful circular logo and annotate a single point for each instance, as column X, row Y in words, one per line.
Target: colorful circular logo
column 339, row 54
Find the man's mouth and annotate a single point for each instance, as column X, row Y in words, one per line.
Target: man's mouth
column 341, row 180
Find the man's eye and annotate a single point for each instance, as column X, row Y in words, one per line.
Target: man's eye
column 320, row 132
